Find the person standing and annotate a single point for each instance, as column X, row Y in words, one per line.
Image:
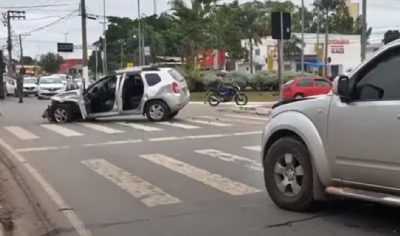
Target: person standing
column 20, row 85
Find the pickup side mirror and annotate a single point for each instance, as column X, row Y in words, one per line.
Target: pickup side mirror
column 341, row 87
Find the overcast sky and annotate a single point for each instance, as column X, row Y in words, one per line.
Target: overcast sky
column 382, row 15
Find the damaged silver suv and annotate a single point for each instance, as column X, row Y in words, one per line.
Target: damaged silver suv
column 345, row 143
column 158, row 93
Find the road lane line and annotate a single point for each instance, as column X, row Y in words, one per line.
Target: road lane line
column 162, row 139
column 113, row 143
column 21, row 133
column 231, row 120
column 53, row 194
column 139, row 126
column 248, row 117
column 228, row 157
column 38, row 149
column 204, row 122
column 253, row 148
column 213, row 180
column 101, row 128
column 147, row 193
column 62, row 130
column 179, row 125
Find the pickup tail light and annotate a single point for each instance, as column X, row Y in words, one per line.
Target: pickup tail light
column 175, row 87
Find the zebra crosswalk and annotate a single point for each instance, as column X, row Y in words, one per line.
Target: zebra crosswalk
column 152, row 195
column 80, row 129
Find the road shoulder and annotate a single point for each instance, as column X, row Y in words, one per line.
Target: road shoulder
column 25, row 208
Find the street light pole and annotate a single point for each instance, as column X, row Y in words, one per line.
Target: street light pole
column 104, row 39
column 364, row 30
column 302, row 36
column 66, row 40
column 139, row 34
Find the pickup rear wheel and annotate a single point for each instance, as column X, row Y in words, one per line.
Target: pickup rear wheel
column 288, row 175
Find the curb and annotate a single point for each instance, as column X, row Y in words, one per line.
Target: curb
column 249, row 110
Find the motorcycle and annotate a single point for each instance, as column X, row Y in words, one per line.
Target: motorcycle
column 226, row 94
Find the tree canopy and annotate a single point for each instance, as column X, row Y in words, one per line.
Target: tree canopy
column 211, row 24
column 51, row 62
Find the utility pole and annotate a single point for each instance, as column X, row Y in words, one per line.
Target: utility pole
column 364, row 30
column 122, row 53
column 155, row 7
column 11, row 15
column 2, row 69
column 139, row 34
column 97, row 61
column 85, row 70
column 302, row 36
column 66, row 40
column 104, row 39
column 20, row 79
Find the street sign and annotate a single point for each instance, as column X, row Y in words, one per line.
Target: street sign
column 147, row 51
column 65, row 47
column 80, row 47
column 129, row 64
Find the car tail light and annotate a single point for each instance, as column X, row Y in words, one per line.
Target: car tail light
column 175, row 87
column 286, row 89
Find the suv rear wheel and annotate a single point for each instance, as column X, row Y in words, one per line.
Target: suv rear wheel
column 288, row 175
column 157, row 111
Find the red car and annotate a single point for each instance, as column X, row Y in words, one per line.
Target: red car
column 304, row 87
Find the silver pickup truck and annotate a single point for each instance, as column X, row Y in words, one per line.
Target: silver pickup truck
column 346, row 143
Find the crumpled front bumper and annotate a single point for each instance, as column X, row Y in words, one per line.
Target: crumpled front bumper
column 46, row 113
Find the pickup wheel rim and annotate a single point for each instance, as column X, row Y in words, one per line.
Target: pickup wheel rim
column 289, row 173
column 156, row 112
column 60, row 115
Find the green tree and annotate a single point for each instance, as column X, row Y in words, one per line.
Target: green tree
column 292, row 47
column 254, row 24
column 51, row 62
column 92, row 61
column 27, row 60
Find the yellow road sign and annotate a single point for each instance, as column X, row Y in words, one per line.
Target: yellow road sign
column 129, row 64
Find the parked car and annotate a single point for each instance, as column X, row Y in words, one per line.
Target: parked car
column 30, row 86
column 158, row 93
column 11, row 87
column 63, row 77
column 49, row 86
column 303, row 87
column 344, row 143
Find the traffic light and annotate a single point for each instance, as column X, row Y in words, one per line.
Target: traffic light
column 390, row 36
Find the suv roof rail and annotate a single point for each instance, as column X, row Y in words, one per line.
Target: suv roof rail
column 150, row 68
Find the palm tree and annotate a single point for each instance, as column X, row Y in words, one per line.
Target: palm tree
column 292, row 47
column 253, row 22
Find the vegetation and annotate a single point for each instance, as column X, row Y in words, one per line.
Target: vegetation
column 51, row 62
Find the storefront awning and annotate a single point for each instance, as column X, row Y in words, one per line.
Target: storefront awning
column 314, row 64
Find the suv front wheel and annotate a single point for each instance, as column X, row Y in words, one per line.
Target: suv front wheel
column 288, row 175
column 157, row 111
column 61, row 113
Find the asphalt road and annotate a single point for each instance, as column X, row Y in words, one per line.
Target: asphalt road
column 199, row 175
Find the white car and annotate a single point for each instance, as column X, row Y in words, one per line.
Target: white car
column 11, row 87
column 49, row 86
column 63, row 77
column 30, row 86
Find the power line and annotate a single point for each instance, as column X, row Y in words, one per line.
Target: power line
column 53, row 23
column 34, row 6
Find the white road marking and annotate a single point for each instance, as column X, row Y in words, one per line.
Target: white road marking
column 232, row 120
column 56, row 197
column 21, row 133
column 204, row 122
column 139, row 126
column 147, row 193
column 172, row 138
column 213, row 180
column 38, row 149
column 62, row 130
column 249, row 117
column 101, row 128
column 113, row 143
column 253, row 148
column 224, row 156
column 179, row 125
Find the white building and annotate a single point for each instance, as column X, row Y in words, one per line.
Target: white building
column 343, row 50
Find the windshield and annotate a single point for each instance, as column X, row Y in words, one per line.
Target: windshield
column 30, row 80
column 50, row 81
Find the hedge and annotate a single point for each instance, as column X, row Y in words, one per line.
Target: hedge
column 260, row 81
